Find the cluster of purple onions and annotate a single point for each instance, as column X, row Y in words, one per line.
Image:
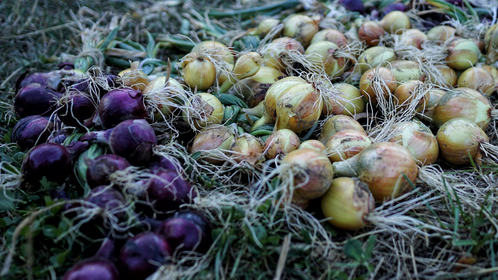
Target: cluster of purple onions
column 51, row 106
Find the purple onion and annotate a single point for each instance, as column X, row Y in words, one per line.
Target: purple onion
column 101, row 167
column 353, row 5
column 92, row 269
column 119, row 105
column 108, row 198
column 164, row 163
column 49, row 79
column 60, row 136
column 48, row 159
column 139, row 257
column 394, row 7
column 31, row 130
column 131, row 139
column 196, row 217
column 77, row 110
column 35, row 99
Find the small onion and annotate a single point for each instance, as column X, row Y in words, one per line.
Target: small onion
column 338, row 123
column 119, row 105
column 203, row 109
column 345, row 144
column 418, row 139
column 77, row 109
column 280, row 143
column 101, row 167
column 30, row 131
column 375, row 56
column 345, row 99
column 247, row 65
column 413, row 37
column 92, row 268
column 383, row 166
column 247, row 148
column 160, row 94
column 346, row 203
column 133, row 77
column 198, row 72
column 459, row 141
column 311, row 170
column 267, row 25
column 371, row 32
column 395, row 21
column 277, row 49
column 322, row 55
column 301, row 27
column 211, row 142
column 48, row 159
column 377, row 82
column 478, row 78
column 441, row 33
column 405, row 70
column 331, row 35
column 109, row 199
column 463, row 53
column 409, row 92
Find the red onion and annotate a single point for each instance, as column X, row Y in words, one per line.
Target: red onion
column 48, row 159
column 101, row 167
column 30, row 131
column 119, row 105
column 184, row 235
column 92, row 269
column 77, row 109
column 35, row 99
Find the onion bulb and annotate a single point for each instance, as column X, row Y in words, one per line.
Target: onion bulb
column 214, row 49
column 322, row 55
column 383, row 166
column 267, row 25
column 345, row 144
column 478, row 78
column 405, row 70
column 133, row 77
column 418, row 139
column 491, row 44
column 413, row 37
column 280, row 143
column 254, row 88
column 310, row 171
column 338, row 123
column 301, row 27
column 374, row 57
column 331, row 35
column 212, row 142
column 434, row 96
column 370, row 32
column 463, row 53
column 444, row 76
column 247, row 65
column 395, row 22
column 198, row 72
column 277, row 49
column 247, row 148
column 313, row 144
column 412, row 91
column 160, row 95
column 463, row 103
column 441, row 33
column 346, row 203
column 345, row 99
column 377, row 82
column 459, row 141
column 203, row 109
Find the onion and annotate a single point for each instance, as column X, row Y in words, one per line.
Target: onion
column 331, row 35
column 463, row 103
column 339, row 123
column 370, row 32
column 202, row 110
column 215, row 49
column 310, row 170
column 383, row 166
column 410, row 92
column 434, row 96
column 395, row 22
column 459, row 141
column 109, row 199
column 444, row 77
column 198, row 72
column 413, row 37
column 133, row 77
column 247, row 148
column 418, row 139
column 35, row 99
column 277, row 49
column 322, row 55
column 119, row 105
column 254, row 88
column 345, row 144
column 280, row 143
column 92, row 268
column 30, row 131
column 463, row 53
column 374, row 57
column 441, row 33
column 99, row 169
column 479, row 79
column 377, row 82
column 247, row 65
column 160, row 94
column 300, row 27
column 267, row 25
column 49, row 160
column 77, row 109
column 164, row 162
column 142, row 255
column 491, row 44
column 313, row 144
column 345, row 99
column 353, row 5
column 50, row 79
column 211, row 142
column 346, row 203
column 405, row 70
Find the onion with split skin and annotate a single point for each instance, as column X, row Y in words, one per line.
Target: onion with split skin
column 338, row 123
column 203, row 109
column 383, row 167
column 346, row 203
column 346, row 144
column 247, row 149
column 254, row 88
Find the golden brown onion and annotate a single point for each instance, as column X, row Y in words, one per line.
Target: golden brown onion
column 277, row 49
column 478, row 78
column 322, row 55
column 339, row 123
column 374, row 57
column 280, row 143
column 370, row 32
column 217, row 50
column 377, row 82
column 409, row 91
column 300, row 27
column 344, row 99
column 331, row 35
column 212, row 142
column 463, row 53
column 203, row 109
column 345, row 144
column 395, row 22
column 247, row 148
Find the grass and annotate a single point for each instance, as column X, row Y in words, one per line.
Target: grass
column 444, row 229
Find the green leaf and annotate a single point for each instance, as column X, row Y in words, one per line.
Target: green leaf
column 50, row 231
column 58, row 260
column 353, row 249
column 370, row 246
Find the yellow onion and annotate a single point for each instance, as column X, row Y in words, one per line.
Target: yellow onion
column 491, row 44
column 161, row 94
column 478, row 78
column 338, row 123
column 395, row 22
column 346, row 203
column 345, row 99
column 463, row 103
column 418, row 139
column 377, row 82
column 434, row 96
column 253, row 89
column 133, row 77
column 405, row 70
column 441, row 33
column 216, row 50
column 267, row 25
column 374, row 57
column 383, row 167
column 247, row 65
column 463, row 53
column 298, row 108
column 322, row 55
column 291, row 199
column 212, row 142
column 459, row 141
column 222, row 76
column 203, row 109
column 198, row 72
column 493, row 71
column 247, row 148
column 310, row 170
column 280, row 143
column 313, row 144
column 409, row 91
column 346, row 144
column 445, row 76
column 277, row 49
column 413, row 37
column 300, row 27
column 331, row 35
column 370, row 32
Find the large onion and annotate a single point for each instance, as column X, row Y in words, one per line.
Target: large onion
column 339, row 123
column 405, row 70
column 322, row 55
column 345, row 144
column 477, row 78
column 377, row 82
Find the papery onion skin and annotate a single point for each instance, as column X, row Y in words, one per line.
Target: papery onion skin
column 413, row 37
column 463, row 53
column 374, row 57
column 338, row 123
column 477, row 78
column 459, row 140
column 199, row 73
column 109, row 199
column 434, row 96
column 346, row 203
column 331, row 35
column 212, row 142
column 267, row 25
column 448, row 75
column 301, row 27
column 101, row 167
column 247, row 149
column 119, row 105
column 275, row 91
column 133, row 77
column 408, row 91
column 345, row 144
column 405, row 70
column 77, row 109
column 322, row 54
column 395, row 21
column 278, row 47
column 370, row 32
column 216, row 49
column 441, row 33
column 318, row 170
column 185, row 235
column 254, row 88
column 313, row 144
column 377, row 82
column 280, row 143
column 203, row 109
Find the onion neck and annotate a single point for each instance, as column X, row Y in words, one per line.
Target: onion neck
column 263, row 120
column 346, row 168
column 257, row 111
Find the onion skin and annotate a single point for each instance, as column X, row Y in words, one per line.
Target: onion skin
column 491, row 44
column 92, row 269
column 317, row 168
column 346, row 100
column 254, row 88
column 280, row 143
column 448, row 75
column 459, row 140
column 434, row 96
column 211, row 142
column 101, row 167
column 441, row 33
column 478, row 78
column 331, row 35
column 463, row 103
column 413, row 37
column 339, row 123
column 77, row 110
column 203, row 109
column 30, row 131
column 133, row 77
column 405, row 70
column 275, row 91
column 184, row 235
column 321, row 54
column 313, row 144
column 374, row 57
column 109, row 199
column 301, row 27
column 48, row 159
column 247, row 148
column 346, row 203
column 463, row 53
column 198, row 72
column 406, row 92
column 381, row 166
column 395, row 21
column 266, row 25
column 370, row 32
column 215, row 49
column 372, row 84
column 119, row 105
column 35, row 99
column 277, row 48
column 345, row 144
